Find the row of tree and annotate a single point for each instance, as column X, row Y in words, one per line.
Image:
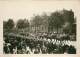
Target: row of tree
column 56, row 20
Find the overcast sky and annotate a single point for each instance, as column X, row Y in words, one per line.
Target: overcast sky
column 26, row 9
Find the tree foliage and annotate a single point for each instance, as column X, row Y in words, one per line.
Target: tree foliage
column 68, row 17
column 37, row 20
column 8, row 24
column 58, row 19
column 55, row 20
column 22, row 24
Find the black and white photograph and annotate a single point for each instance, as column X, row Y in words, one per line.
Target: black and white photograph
column 39, row 27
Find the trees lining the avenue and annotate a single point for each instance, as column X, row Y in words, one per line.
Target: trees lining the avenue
column 54, row 22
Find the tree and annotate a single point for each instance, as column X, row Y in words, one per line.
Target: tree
column 22, row 24
column 68, row 17
column 4, row 24
column 26, row 23
column 44, row 21
column 55, row 21
column 8, row 25
column 36, row 22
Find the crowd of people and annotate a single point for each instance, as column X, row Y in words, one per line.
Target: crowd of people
column 43, row 44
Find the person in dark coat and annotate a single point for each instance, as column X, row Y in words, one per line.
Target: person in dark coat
column 71, row 50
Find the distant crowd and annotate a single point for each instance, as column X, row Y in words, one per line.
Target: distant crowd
column 38, row 44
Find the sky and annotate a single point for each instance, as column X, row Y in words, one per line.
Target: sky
column 26, row 9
